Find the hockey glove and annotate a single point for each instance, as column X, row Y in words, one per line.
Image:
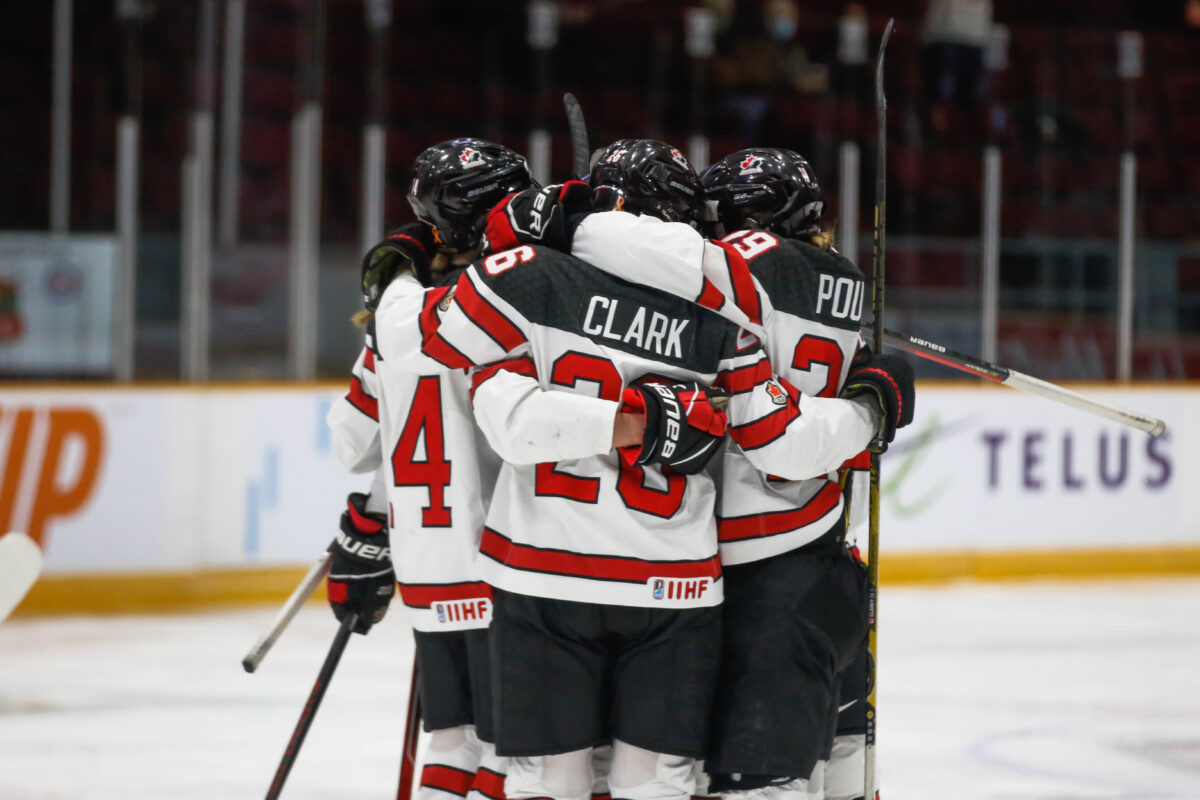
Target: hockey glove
column 408, row 248
column 361, row 578
column 683, row 428
column 889, row 379
column 546, row 216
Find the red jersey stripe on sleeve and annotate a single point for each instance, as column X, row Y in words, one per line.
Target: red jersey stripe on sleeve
column 358, row 397
column 432, row 344
column 710, row 296
column 368, row 359
column 487, row 316
column 598, row 567
column 860, row 461
column 743, row 379
column 755, row 526
column 765, row 430
column 745, row 296
column 521, row 366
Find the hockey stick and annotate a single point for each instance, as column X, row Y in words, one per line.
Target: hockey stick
column 579, row 137
column 314, row 702
column 878, row 259
column 1021, row 382
column 299, row 595
column 412, row 732
column 20, row 565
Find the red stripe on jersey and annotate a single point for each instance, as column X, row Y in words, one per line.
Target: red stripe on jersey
column 744, row 293
column 489, row 783
column 601, row 796
column 432, row 344
column 447, row 779
column 860, row 461
column 753, row 526
column 765, row 430
column 368, row 359
column 598, row 567
column 487, row 316
column 521, row 366
column 710, row 296
column 743, row 379
column 424, row 595
column 358, row 397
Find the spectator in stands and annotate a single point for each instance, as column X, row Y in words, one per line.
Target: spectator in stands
column 1191, row 14
column 760, row 60
column 955, row 36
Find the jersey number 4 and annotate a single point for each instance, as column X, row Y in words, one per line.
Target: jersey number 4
column 433, row 472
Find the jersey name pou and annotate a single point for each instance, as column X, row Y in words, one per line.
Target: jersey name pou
column 813, row 302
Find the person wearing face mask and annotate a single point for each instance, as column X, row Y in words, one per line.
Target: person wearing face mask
column 760, row 61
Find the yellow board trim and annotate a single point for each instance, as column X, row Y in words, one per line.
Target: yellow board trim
column 199, row 590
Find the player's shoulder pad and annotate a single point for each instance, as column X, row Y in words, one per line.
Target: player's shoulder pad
column 812, row 283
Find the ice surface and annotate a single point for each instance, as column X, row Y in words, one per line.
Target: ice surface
column 1012, row 691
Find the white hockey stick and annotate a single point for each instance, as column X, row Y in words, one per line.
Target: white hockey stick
column 299, row 595
column 1021, row 382
column 20, row 565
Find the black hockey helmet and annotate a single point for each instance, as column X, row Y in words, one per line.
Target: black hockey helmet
column 764, row 187
column 646, row 176
column 455, row 183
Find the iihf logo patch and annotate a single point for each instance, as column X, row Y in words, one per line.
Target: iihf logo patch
column 444, row 304
column 775, row 392
column 750, row 165
column 678, row 158
column 441, row 612
column 659, row 587
column 470, row 157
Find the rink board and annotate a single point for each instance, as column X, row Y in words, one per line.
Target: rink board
column 175, row 496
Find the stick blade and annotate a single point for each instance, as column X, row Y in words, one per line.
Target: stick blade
column 20, row 565
column 581, row 156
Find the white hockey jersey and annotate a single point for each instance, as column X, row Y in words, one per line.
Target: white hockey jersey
column 807, row 305
column 438, row 471
column 569, row 519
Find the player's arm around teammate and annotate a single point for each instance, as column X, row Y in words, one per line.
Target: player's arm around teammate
column 795, row 616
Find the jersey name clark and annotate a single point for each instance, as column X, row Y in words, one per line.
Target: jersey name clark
column 626, row 323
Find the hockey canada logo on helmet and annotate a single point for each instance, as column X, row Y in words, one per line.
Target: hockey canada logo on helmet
column 470, row 157
column 455, row 183
column 764, row 187
column 750, row 165
column 646, row 176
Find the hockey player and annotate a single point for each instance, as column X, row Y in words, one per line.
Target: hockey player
column 604, row 564
column 410, row 420
column 795, row 613
column 765, row 517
